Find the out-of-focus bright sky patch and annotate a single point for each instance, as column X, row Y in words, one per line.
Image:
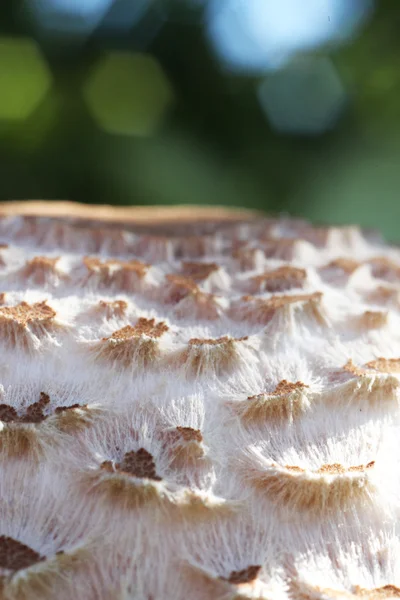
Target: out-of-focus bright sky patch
column 124, row 14
column 69, row 16
column 259, row 35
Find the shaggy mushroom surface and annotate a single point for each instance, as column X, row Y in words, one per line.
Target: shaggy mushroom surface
column 196, row 403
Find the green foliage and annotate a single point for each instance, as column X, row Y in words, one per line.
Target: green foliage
column 174, row 127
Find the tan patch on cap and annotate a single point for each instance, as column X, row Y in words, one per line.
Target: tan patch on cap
column 350, row 367
column 180, row 287
column 135, row 346
column 384, row 268
column 382, row 593
column 294, row 469
column 262, row 310
column 199, row 271
column 285, row 403
column 286, row 387
column 116, row 308
column 215, row 341
column 384, row 295
column 125, row 275
column 373, row 319
column 24, row 313
column 39, row 268
column 209, row 354
column 279, row 280
column 385, row 365
column 302, row 489
column 147, row 327
column 345, row 264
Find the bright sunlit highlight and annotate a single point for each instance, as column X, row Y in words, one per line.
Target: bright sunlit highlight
column 259, row 35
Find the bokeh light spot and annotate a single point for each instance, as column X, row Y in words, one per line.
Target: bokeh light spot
column 24, row 78
column 124, row 14
column 306, row 97
column 258, row 35
column 128, row 94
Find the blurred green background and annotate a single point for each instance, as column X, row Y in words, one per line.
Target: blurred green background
column 285, row 105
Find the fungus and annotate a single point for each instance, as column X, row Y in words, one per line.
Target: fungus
column 203, row 397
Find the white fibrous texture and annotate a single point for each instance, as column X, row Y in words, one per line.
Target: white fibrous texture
column 198, row 410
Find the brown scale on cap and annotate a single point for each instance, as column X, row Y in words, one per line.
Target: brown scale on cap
column 206, row 355
column 286, row 387
column 287, row 402
column 372, row 320
column 344, row 264
column 282, row 248
column 333, row 469
column 116, row 272
column 337, row 469
column 95, row 265
column 321, row 237
column 76, row 417
column 139, row 464
column 189, row 300
column 351, row 368
column 385, row 365
column 353, row 385
column 209, row 342
column 246, row 257
column 17, row 321
column 279, row 280
column 189, row 434
column 384, row 268
column 262, row 310
column 8, row 414
column 39, row 268
column 67, row 418
column 61, row 409
column 153, row 247
column 199, row 271
column 147, row 327
column 3, row 298
column 303, row 591
column 193, row 246
column 183, row 445
column 116, row 308
column 15, row 555
column 24, row 314
column 381, row 593
column 294, row 469
column 33, row 413
column 247, row 575
column 385, row 296
column 180, row 287
column 182, row 434
column 135, row 345
column 302, row 489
